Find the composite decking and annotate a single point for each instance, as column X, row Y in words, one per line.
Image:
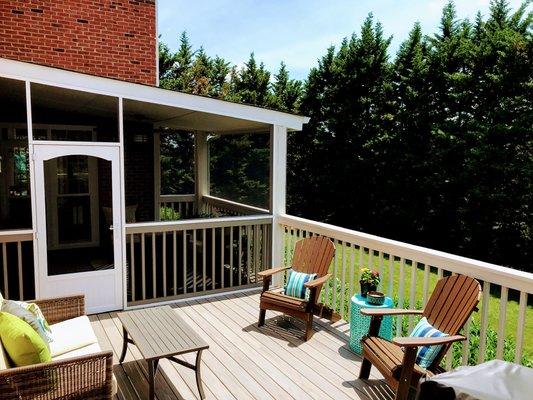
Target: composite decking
column 245, row 362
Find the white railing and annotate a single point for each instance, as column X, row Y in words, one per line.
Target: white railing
column 169, row 260
column 184, row 204
column 15, row 254
column 214, row 204
column 408, row 274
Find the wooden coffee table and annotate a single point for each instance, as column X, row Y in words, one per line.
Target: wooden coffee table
column 158, row 333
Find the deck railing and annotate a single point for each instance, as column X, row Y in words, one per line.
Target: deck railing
column 170, row 260
column 16, row 252
column 409, row 274
column 214, row 204
column 184, row 204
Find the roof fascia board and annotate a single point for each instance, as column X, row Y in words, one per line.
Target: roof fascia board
column 111, row 87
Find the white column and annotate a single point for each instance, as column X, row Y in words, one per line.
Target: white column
column 278, row 183
column 201, row 168
column 157, row 175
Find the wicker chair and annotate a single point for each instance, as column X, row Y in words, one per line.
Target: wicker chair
column 84, row 377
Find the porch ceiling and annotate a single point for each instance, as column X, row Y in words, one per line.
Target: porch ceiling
column 180, row 118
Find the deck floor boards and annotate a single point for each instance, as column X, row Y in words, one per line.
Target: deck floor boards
column 244, row 361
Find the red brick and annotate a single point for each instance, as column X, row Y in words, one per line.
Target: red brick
column 115, row 35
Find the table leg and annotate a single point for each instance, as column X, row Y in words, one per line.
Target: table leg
column 124, row 345
column 198, row 375
column 152, row 370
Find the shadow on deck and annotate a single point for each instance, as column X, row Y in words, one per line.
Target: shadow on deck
column 246, row 362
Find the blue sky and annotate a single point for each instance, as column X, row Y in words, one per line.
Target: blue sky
column 295, row 31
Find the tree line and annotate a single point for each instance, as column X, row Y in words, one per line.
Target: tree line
column 432, row 146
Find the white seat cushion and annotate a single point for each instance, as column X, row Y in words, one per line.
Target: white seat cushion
column 4, row 361
column 71, row 335
column 83, row 351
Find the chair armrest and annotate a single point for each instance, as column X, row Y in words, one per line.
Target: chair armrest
column 62, row 308
column 317, row 282
column 272, row 271
column 89, row 376
column 389, row 311
column 426, row 341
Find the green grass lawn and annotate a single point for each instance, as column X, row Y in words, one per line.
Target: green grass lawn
column 511, row 315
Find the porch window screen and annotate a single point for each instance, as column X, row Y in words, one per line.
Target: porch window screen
column 240, row 168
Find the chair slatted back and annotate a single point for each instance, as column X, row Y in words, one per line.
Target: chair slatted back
column 313, row 255
column 450, row 305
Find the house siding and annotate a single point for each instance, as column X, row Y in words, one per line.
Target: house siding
column 113, row 39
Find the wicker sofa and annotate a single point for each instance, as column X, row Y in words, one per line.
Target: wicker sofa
column 78, row 370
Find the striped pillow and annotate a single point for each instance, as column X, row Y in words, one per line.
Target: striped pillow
column 426, row 354
column 295, row 284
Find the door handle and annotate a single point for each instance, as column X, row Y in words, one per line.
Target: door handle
column 111, row 227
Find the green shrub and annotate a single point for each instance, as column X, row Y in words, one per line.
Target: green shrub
column 168, row 214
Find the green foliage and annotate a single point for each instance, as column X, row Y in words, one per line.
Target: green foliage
column 177, row 162
column 240, row 168
column 434, row 147
column 169, row 214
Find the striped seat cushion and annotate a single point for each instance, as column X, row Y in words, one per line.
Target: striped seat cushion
column 295, row 284
column 426, row 354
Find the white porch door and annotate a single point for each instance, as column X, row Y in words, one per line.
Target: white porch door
column 79, row 222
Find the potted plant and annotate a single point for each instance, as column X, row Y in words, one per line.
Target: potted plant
column 369, row 281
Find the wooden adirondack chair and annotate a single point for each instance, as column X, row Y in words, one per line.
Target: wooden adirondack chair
column 449, row 307
column 311, row 255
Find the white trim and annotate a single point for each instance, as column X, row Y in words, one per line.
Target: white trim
column 194, row 298
column 122, row 200
column 168, row 226
column 110, row 87
column 157, row 175
column 278, row 182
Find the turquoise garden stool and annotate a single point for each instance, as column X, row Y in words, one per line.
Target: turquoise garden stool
column 359, row 324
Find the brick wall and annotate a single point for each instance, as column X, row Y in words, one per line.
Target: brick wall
column 115, row 39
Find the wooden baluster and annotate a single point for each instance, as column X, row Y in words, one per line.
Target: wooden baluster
column 248, row 253
column 501, row 326
column 164, row 264
column 391, row 276
column 204, row 266
column 143, row 265
column 213, row 258
column 465, row 351
column 154, row 265
column 522, row 307
column 194, row 255
column 256, row 252
column 4, row 267
column 185, row 261
column 21, row 278
column 343, row 280
column 449, row 358
column 239, row 260
column 231, row 228
column 412, row 294
column 484, row 322
column 400, row 296
column 222, row 257
column 175, row 262
column 425, row 288
column 380, row 269
column 335, row 258
column 132, row 266
column 352, row 277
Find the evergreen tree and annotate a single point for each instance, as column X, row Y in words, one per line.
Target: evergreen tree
column 286, row 92
column 250, row 84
